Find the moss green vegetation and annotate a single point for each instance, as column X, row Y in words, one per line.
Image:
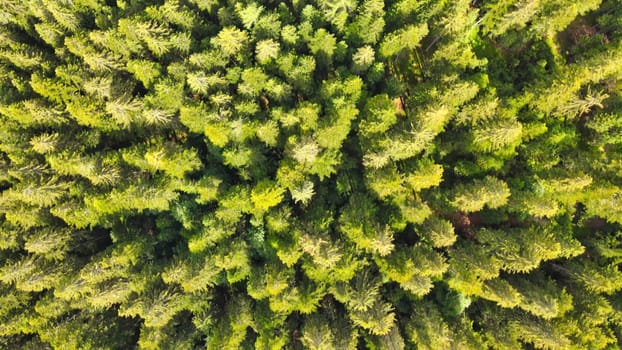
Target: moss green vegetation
column 310, row 174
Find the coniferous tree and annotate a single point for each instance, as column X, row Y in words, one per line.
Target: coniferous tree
column 330, row 174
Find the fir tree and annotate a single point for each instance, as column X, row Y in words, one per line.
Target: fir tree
column 331, row 174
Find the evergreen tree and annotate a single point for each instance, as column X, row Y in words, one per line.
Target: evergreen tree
column 330, row 174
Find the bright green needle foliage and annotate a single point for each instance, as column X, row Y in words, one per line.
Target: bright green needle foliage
column 230, row 40
column 321, row 174
column 407, row 38
column 267, row 50
column 266, row 195
column 489, row 192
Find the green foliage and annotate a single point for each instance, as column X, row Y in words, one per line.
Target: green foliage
column 329, row 174
column 407, row 38
column 266, row 195
column 363, row 58
column 368, row 24
column 230, row 40
column 439, row 232
column 145, row 71
column 490, row 192
column 323, row 42
column 267, row 50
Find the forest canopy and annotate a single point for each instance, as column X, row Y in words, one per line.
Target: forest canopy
column 311, row 174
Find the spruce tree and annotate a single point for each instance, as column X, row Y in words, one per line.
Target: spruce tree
column 328, row 174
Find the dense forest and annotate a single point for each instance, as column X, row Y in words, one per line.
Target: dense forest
column 311, row 174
